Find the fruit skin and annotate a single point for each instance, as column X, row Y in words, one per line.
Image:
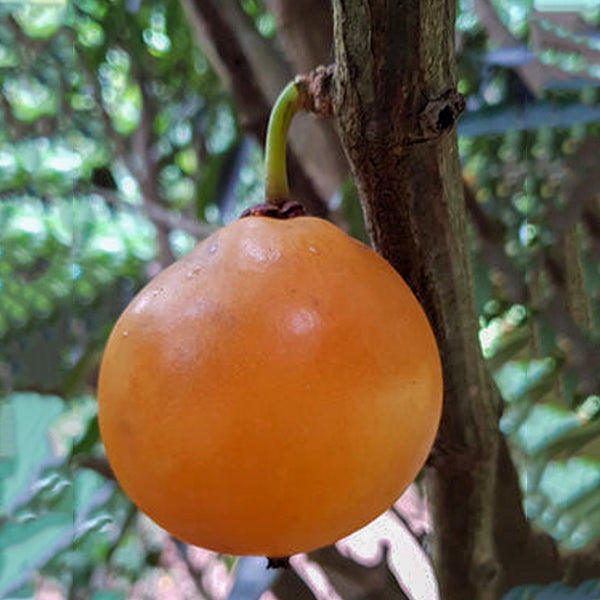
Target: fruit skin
column 274, row 390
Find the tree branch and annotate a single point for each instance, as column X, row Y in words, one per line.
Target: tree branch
column 580, row 565
column 305, row 30
column 353, row 581
column 242, row 57
column 396, row 105
column 157, row 214
column 290, row 586
column 534, row 74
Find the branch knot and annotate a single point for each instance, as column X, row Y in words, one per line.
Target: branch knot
column 440, row 114
column 316, row 88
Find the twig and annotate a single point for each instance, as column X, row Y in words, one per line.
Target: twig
column 132, row 512
column 158, row 214
column 534, row 74
column 420, row 538
column 193, row 572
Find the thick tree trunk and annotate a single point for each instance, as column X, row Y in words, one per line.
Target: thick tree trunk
column 396, row 106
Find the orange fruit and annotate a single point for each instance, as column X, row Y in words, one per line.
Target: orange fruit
column 271, row 392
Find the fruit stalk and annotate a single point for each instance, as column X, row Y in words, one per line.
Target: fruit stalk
column 286, row 106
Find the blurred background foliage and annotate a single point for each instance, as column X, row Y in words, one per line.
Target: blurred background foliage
column 120, row 149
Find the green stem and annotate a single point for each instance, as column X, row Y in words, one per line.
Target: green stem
column 286, row 106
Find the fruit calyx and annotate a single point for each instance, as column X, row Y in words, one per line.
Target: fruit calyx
column 288, row 210
column 278, row 562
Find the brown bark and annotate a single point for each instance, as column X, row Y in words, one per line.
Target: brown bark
column 396, row 105
column 353, row 581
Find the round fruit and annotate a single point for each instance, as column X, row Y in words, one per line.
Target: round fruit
column 272, row 391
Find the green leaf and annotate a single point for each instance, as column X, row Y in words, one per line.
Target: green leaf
column 565, row 482
column 577, row 512
column 40, row 19
column 588, row 590
column 108, row 595
column 543, row 424
column 90, row 438
column 24, row 545
column 8, row 447
column 572, row 440
column 508, row 346
column 32, row 414
column 353, row 211
column 30, row 99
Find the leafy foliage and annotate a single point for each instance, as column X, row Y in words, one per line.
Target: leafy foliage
column 120, row 148
column 586, row 591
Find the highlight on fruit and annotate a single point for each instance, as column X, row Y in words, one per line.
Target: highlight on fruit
column 275, row 389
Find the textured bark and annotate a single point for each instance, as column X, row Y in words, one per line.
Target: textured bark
column 396, row 105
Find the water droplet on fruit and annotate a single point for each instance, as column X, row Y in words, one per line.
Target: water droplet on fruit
column 125, row 333
column 258, row 253
column 312, row 250
column 191, row 274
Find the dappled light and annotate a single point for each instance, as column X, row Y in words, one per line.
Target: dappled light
column 130, row 131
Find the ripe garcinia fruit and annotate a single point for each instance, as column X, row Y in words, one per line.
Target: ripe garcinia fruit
column 272, row 391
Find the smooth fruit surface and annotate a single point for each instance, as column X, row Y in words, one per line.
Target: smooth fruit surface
column 274, row 390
